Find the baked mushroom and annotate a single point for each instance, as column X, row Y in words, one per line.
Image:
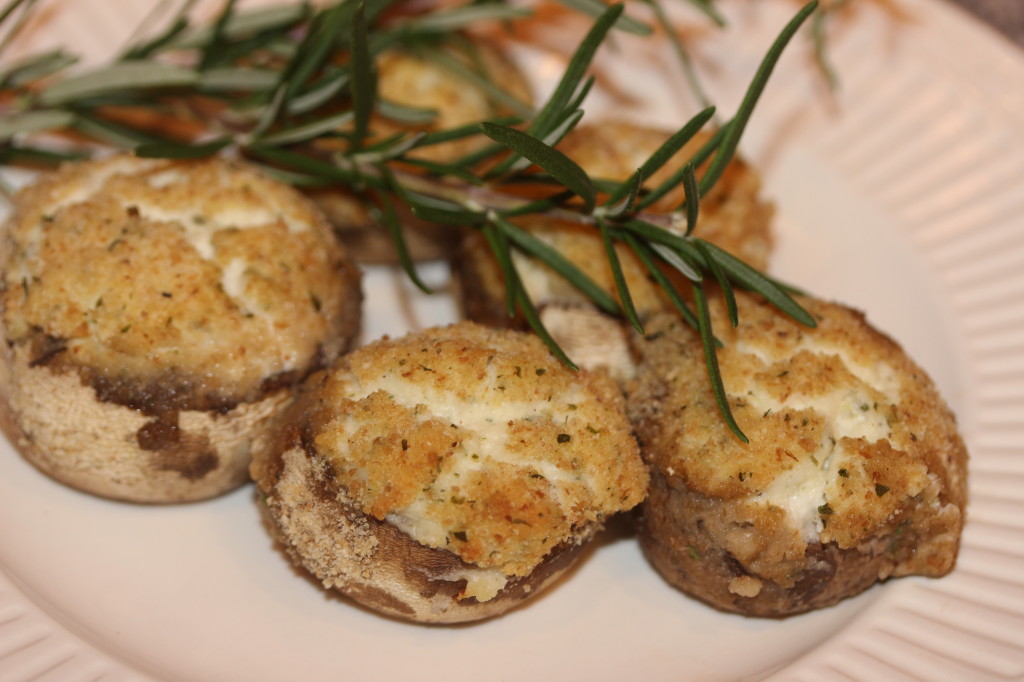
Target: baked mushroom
column 733, row 216
column 454, row 94
column 854, row 472
column 156, row 316
column 448, row 475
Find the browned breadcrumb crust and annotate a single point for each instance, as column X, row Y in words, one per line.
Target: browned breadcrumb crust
column 157, row 315
column 477, row 440
column 189, row 285
column 855, row 470
column 733, row 216
column 462, row 466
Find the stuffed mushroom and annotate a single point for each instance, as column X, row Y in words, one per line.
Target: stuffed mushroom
column 156, row 316
column 854, row 473
column 734, row 216
column 448, row 475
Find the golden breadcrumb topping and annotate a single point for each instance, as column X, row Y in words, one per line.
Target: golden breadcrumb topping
column 849, row 438
column 206, row 273
column 478, row 441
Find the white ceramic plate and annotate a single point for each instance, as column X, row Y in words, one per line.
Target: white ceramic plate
column 900, row 194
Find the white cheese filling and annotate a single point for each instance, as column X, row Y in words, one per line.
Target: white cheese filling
column 483, row 428
column 97, row 179
column 852, row 413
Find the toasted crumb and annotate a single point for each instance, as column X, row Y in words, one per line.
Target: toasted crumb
column 417, row 80
column 745, row 586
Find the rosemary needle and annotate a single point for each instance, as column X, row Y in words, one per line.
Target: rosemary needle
column 271, row 84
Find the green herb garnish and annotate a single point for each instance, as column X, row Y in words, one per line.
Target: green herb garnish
column 276, row 81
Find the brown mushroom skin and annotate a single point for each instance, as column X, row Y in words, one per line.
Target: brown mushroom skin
column 372, row 562
column 56, row 421
column 681, row 533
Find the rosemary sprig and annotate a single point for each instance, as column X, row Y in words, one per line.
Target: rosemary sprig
column 711, row 359
column 617, row 275
column 727, row 148
column 364, row 77
column 679, row 47
column 10, row 10
column 819, row 27
column 273, row 85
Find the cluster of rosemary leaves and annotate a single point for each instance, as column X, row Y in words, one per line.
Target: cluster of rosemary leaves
column 271, row 85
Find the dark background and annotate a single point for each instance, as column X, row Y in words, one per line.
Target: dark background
column 1005, row 15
